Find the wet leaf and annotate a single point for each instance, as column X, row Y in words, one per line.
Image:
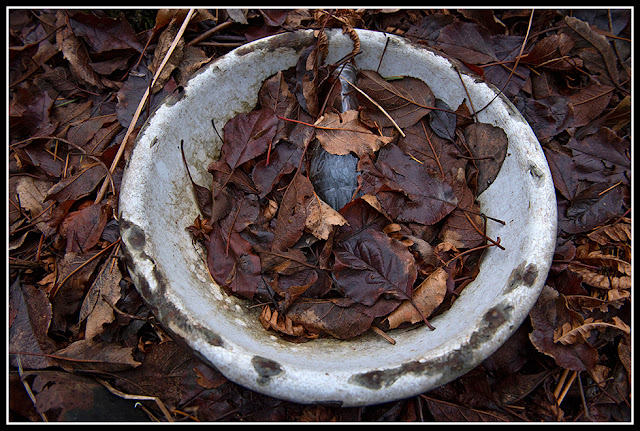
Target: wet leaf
column 551, row 53
column 591, row 207
column 284, row 158
column 429, row 198
column 467, row 41
column 342, row 318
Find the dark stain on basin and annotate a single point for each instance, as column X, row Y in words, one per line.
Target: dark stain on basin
column 522, row 276
column 266, row 369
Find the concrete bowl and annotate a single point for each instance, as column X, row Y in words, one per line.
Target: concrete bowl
column 169, row 270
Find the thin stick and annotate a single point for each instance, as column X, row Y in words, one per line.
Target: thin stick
column 377, row 106
column 157, row 400
column 563, row 377
column 134, row 120
column 515, row 65
column 27, row 387
column 566, row 388
column 383, row 334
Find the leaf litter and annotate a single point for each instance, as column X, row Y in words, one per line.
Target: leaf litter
column 317, row 270
column 74, row 85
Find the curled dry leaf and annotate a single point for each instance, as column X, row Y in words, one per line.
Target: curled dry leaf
column 578, row 332
column 427, row 297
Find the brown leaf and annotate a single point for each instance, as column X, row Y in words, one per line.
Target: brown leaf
column 232, row 263
column 600, row 43
column 341, row 318
column 74, row 272
column 292, row 214
column 247, row 136
column 579, row 331
column 343, row 133
column 76, row 53
column 467, row 41
column 105, row 34
column 407, row 100
column 283, row 160
column 97, row 305
column 321, row 218
column 589, row 103
column 164, row 43
column 271, row 319
column 549, row 313
column 84, row 227
column 79, row 185
column 488, row 146
column 86, row 355
column 427, row 297
column 370, row 265
column 424, row 197
column 552, row 53
column 463, row 227
column 30, row 313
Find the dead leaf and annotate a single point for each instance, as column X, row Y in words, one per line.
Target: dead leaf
column 97, row 308
column 89, row 356
column 488, row 145
column 321, row 218
column 427, row 297
column 407, row 100
column 551, row 312
column 343, row 133
column 164, row 43
column 579, row 331
column 78, row 185
column 599, row 43
column 77, row 55
column 370, row 265
column 292, row 213
column 83, row 228
column 246, row 136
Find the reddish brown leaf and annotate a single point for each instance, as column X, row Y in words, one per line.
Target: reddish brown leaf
column 83, row 228
column 370, row 265
column 341, row 318
column 429, row 198
column 551, row 53
column 247, row 136
column 467, row 41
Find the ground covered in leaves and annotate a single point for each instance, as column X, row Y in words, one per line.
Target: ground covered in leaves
column 83, row 345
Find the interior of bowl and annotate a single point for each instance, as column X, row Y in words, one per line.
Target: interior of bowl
column 157, row 204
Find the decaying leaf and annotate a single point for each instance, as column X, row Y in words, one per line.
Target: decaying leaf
column 344, row 133
column 427, row 297
column 370, row 265
column 407, row 100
